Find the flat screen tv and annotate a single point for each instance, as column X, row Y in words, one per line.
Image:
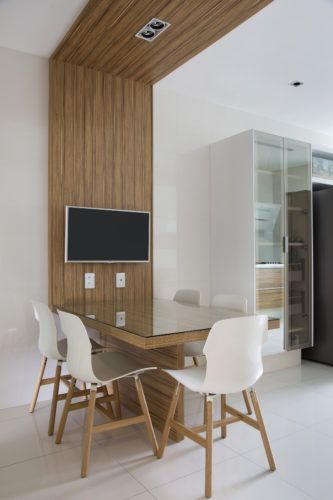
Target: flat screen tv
column 106, row 235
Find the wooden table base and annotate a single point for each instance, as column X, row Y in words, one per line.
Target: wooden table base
column 158, row 387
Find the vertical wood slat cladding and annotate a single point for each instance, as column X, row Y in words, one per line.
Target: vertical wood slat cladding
column 103, row 37
column 100, row 156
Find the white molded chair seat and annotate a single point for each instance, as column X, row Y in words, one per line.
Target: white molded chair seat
column 99, row 370
column 229, row 301
column 109, row 366
column 234, row 363
column 187, row 296
column 192, row 378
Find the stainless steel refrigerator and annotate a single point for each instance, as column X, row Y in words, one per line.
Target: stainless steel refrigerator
column 322, row 351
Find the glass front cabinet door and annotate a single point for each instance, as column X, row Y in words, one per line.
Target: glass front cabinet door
column 298, row 245
column 283, row 222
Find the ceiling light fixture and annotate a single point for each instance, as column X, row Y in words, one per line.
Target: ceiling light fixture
column 296, row 83
column 152, row 29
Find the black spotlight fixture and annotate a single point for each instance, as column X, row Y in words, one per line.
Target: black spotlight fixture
column 296, row 83
column 152, row 29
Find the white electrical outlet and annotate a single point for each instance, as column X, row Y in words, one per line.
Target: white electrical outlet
column 120, row 280
column 89, row 280
column 120, row 318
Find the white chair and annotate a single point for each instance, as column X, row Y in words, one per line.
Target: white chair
column 234, row 302
column 190, row 297
column 187, row 296
column 98, row 370
column 51, row 348
column 234, row 363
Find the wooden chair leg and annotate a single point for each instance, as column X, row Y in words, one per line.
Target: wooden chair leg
column 171, row 412
column 223, row 415
column 108, row 404
column 145, row 411
column 65, row 411
column 55, row 397
column 209, row 446
column 37, row 384
column 247, row 402
column 115, row 388
column 262, row 430
column 88, row 431
column 84, row 385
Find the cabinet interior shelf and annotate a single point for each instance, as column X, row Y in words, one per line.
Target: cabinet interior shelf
column 276, row 172
column 298, row 209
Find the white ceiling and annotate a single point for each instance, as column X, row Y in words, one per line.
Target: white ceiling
column 36, row 26
column 251, row 67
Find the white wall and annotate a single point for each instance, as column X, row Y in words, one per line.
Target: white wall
column 183, row 129
column 23, row 219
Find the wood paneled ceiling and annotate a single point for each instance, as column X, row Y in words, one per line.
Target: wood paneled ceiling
column 103, row 37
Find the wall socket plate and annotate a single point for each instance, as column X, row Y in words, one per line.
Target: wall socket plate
column 120, row 280
column 120, row 318
column 89, row 280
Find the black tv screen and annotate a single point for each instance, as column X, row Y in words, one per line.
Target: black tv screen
column 106, row 235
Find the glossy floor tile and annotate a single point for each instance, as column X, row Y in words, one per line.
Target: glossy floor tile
column 297, row 405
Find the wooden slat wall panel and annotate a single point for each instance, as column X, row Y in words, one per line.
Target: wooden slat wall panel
column 100, row 155
column 103, row 37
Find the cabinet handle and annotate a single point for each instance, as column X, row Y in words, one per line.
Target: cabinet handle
column 285, row 241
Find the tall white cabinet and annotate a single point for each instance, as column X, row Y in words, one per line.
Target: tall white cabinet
column 261, row 227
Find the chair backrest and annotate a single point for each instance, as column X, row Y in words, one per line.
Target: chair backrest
column 78, row 347
column 48, row 338
column 233, row 353
column 236, row 302
column 187, row 296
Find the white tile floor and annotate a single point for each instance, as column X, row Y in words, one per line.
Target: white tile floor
column 297, row 405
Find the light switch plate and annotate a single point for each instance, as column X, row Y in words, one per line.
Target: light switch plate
column 89, row 280
column 120, row 280
column 120, row 318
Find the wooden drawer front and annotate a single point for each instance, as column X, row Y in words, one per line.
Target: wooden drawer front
column 269, row 299
column 269, row 278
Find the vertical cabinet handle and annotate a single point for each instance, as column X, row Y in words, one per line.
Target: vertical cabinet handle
column 285, row 244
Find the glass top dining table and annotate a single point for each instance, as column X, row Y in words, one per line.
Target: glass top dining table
column 150, row 319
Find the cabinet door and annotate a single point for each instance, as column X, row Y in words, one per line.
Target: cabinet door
column 269, row 196
column 298, row 245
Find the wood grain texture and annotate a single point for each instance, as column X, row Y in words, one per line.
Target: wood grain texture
column 100, row 155
column 103, row 36
column 158, row 387
column 269, row 278
column 270, row 299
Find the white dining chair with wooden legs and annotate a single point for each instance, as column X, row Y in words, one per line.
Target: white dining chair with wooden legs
column 234, row 363
column 53, row 349
column 99, row 370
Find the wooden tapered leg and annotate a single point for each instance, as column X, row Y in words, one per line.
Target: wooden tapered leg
column 223, row 415
column 115, row 388
column 247, row 403
column 171, row 412
column 262, row 430
column 65, row 411
column 55, row 397
column 209, row 446
column 146, row 413
column 37, row 384
column 85, row 388
column 108, row 404
column 88, row 431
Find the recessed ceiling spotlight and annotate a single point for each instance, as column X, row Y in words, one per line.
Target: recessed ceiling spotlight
column 152, row 29
column 296, row 83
